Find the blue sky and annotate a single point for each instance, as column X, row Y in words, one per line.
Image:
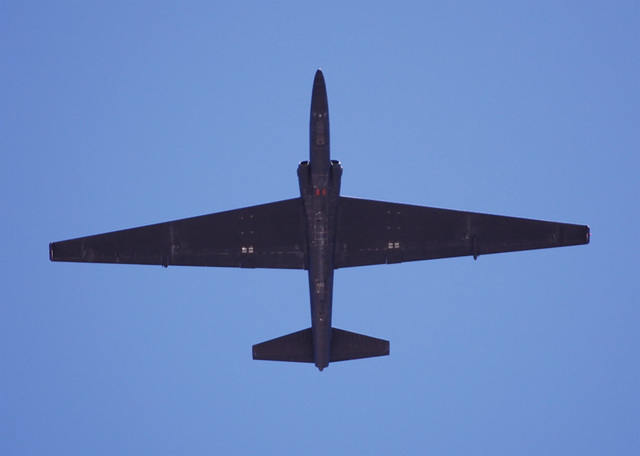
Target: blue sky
column 120, row 114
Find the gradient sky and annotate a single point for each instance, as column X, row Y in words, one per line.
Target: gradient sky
column 120, row 114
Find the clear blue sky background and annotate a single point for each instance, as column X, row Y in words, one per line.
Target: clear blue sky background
column 119, row 114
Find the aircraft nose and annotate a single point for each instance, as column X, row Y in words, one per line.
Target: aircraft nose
column 319, row 102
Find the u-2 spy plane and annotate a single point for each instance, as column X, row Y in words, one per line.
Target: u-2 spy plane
column 319, row 231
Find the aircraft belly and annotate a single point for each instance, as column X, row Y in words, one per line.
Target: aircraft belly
column 320, row 201
column 321, row 298
column 320, row 280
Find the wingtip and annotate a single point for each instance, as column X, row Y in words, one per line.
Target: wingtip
column 588, row 234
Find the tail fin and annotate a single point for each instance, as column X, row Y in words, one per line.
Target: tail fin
column 298, row 347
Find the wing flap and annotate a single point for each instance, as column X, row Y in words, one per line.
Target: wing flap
column 265, row 236
column 376, row 232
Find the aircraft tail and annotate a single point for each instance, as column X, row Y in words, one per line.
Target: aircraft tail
column 298, row 347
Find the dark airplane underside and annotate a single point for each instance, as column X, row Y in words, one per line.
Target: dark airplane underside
column 319, row 231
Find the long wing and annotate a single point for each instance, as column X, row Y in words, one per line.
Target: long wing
column 376, row 232
column 265, row 236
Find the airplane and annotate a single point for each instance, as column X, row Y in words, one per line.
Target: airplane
column 319, row 231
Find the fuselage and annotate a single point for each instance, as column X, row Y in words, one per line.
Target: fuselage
column 319, row 180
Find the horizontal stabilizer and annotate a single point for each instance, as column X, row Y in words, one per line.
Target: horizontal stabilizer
column 298, row 347
column 347, row 345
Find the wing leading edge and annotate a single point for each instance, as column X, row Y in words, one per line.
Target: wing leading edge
column 376, row 232
column 265, row 236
